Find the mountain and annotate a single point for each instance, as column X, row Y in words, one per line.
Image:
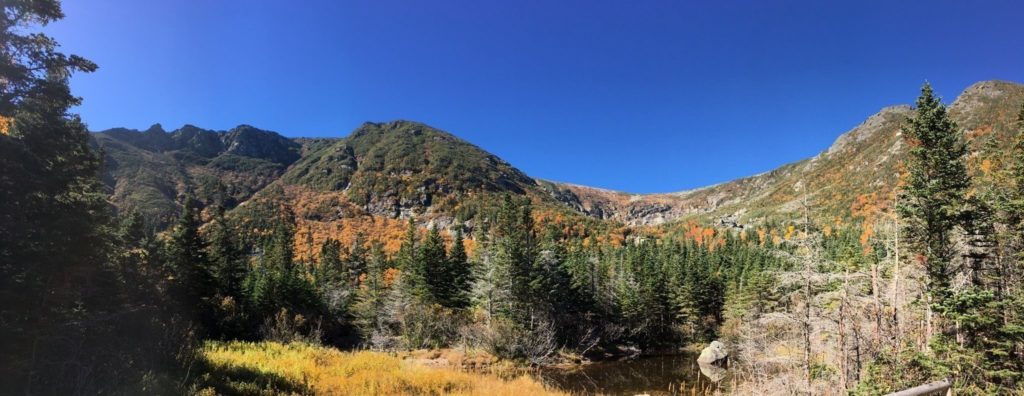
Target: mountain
column 394, row 168
column 149, row 170
column 859, row 170
column 384, row 172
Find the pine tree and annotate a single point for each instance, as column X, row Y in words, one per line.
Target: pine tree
column 433, row 263
column 514, row 256
column 370, row 297
column 226, row 258
column 934, row 197
column 354, row 264
column 188, row 262
column 228, row 268
column 413, row 278
column 55, row 230
column 330, row 272
column 459, row 273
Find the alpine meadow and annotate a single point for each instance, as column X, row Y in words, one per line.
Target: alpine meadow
column 400, row 258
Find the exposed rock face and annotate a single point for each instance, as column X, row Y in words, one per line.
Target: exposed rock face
column 713, row 354
column 148, row 170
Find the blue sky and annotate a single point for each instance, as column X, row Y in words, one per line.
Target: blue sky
column 641, row 96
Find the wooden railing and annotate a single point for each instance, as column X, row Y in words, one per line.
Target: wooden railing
column 944, row 387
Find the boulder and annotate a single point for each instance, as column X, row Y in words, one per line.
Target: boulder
column 713, row 354
column 714, row 372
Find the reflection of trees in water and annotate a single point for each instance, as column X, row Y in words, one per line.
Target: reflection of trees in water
column 660, row 375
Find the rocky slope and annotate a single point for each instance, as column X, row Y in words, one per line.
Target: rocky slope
column 858, row 171
column 398, row 169
column 149, row 170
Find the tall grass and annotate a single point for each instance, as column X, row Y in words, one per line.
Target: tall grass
column 270, row 368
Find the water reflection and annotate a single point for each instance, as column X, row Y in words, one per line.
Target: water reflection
column 659, row 375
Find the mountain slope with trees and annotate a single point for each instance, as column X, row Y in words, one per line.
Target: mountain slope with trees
column 396, row 169
column 860, row 169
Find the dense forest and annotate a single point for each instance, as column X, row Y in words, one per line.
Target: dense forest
column 97, row 299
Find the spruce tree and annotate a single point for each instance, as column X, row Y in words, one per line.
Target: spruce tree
column 330, row 272
column 413, row 278
column 226, row 257
column 514, row 255
column 370, row 298
column 194, row 285
column 354, row 264
column 934, row 196
column 459, row 273
column 433, row 262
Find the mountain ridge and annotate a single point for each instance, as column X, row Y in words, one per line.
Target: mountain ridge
column 400, row 168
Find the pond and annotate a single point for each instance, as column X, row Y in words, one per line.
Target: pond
column 656, row 375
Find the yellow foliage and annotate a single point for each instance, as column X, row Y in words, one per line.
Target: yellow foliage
column 986, row 166
column 5, row 125
column 327, row 371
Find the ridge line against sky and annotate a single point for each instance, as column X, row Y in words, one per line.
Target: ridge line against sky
column 651, row 97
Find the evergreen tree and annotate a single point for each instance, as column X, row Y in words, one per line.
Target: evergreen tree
column 370, row 298
column 330, row 272
column 228, row 271
column 514, row 255
column 64, row 302
column 226, row 257
column 189, row 264
column 459, row 273
column 433, row 263
column 354, row 264
column 933, row 200
column 413, row 278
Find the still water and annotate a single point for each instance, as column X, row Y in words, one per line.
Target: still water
column 656, row 375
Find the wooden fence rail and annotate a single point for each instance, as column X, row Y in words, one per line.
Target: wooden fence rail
column 943, row 387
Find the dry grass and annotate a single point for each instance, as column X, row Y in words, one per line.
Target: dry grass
column 273, row 368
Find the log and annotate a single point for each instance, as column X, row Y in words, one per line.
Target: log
column 933, row 388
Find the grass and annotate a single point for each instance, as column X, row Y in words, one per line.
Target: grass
column 269, row 368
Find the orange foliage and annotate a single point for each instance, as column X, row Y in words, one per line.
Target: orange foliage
column 868, row 207
column 390, row 275
column 5, row 125
column 865, row 237
column 986, row 166
column 977, row 133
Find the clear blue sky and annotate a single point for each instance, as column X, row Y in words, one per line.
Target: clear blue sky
column 642, row 96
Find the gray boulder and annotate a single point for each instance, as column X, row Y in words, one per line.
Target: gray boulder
column 713, row 354
column 714, row 372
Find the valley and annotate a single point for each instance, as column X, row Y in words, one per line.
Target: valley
column 403, row 259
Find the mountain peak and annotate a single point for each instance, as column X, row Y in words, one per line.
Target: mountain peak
column 392, row 168
column 971, row 105
column 870, row 127
column 156, row 128
column 409, row 128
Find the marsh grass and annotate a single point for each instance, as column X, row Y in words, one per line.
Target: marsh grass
column 270, row 368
